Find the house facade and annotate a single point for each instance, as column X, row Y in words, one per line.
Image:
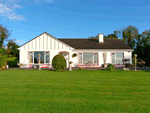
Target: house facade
column 91, row 53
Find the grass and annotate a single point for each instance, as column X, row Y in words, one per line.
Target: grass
column 94, row 91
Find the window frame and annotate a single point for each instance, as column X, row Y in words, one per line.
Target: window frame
column 92, row 57
column 115, row 57
column 45, row 53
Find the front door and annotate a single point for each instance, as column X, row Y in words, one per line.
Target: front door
column 66, row 56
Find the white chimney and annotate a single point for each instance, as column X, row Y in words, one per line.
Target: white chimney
column 101, row 37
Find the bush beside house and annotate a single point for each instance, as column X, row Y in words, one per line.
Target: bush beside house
column 59, row 63
column 110, row 67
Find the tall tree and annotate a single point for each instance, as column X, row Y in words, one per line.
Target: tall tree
column 110, row 36
column 129, row 35
column 12, row 48
column 142, row 45
column 4, row 34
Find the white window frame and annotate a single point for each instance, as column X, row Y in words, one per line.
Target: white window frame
column 88, row 52
column 44, row 56
column 46, row 53
column 115, row 57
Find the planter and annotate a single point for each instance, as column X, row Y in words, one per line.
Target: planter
column 21, row 66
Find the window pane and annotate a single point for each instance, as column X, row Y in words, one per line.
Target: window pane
column 119, row 57
column 95, row 59
column 80, row 59
column 87, row 58
column 113, row 58
column 47, row 58
column 30, row 58
column 36, row 58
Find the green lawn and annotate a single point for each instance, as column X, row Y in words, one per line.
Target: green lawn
column 87, row 91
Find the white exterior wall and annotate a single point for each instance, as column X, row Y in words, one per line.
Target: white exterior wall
column 23, row 56
column 108, row 51
column 128, row 55
column 43, row 42
column 46, row 42
column 74, row 60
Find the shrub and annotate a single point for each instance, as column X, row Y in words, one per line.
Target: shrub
column 80, row 68
column 59, row 63
column 103, row 65
column 3, row 64
column 127, row 65
column 110, row 67
column 141, row 64
column 12, row 63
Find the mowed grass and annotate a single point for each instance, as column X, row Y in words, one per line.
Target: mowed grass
column 87, row 91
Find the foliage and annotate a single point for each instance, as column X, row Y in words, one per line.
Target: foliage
column 133, row 61
column 74, row 55
column 3, row 63
column 141, row 64
column 12, row 61
column 103, row 65
column 12, row 48
column 59, row 62
column 70, row 62
column 127, row 65
column 110, row 67
column 4, row 34
column 80, row 68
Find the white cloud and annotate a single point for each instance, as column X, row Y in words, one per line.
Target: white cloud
column 8, row 7
column 14, row 16
column 8, row 10
column 17, row 6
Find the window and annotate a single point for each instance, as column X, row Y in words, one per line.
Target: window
column 34, row 58
column 95, row 58
column 80, row 58
column 86, row 58
column 47, row 57
column 117, row 58
column 30, row 57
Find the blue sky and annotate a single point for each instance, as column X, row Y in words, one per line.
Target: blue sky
column 72, row 18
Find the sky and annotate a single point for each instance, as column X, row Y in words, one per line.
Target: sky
column 27, row 19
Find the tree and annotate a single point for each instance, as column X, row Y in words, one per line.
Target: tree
column 12, row 48
column 110, row 36
column 129, row 35
column 4, row 34
column 143, row 45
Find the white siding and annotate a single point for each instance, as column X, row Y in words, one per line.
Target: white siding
column 23, row 56
column 128, row 55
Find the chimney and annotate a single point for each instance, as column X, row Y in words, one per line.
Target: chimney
column 101, row 37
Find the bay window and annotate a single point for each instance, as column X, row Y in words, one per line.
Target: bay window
column 88, row 58
column 33, row 57
column 117, row 58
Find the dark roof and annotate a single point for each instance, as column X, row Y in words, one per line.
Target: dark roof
column 94, row 44
column 91, row 43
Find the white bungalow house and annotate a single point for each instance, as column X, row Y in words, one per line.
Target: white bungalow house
column 90, row 52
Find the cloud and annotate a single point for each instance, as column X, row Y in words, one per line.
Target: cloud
column 17, row 6
column 8, row 10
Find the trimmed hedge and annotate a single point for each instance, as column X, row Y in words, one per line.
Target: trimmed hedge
column 59, row 63
column 12, row 61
